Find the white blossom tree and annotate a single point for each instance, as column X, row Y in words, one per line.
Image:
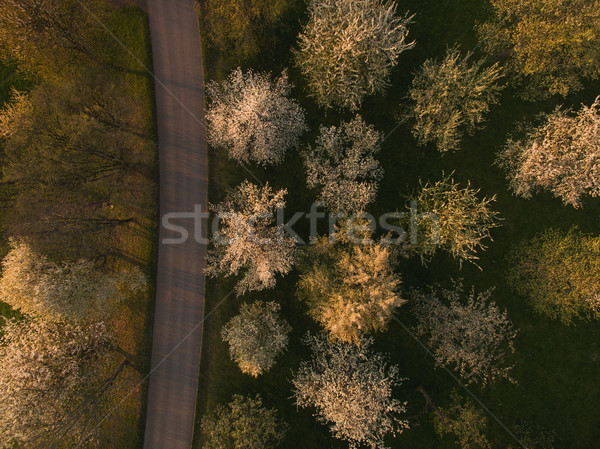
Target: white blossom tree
column 343, row 167
column 54, row 382
column 253, row 117
column 351, row 388
column 350, row 289
column 348, row 48
column 244, row 423
column 256, row 336
column 249, row 243
column 451, row 96
column 450, row 218
column 74, row 291
column 472, row 336
column 561, row 156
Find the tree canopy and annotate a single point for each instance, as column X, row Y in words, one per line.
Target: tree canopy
column 450, row 218
column 451, row 96
column 256, row 336
column 350, row 289
column 561, row 156
column 342, row 165
column 348, row 48
column 73, row 291
column 249, row 243
column 77, row 158
column 47, row 36
column 351, row 388
column 54, row 382
column 550, row 46
column 472, row 336
column 253, row 117
column 244, row 423
column 560, row 274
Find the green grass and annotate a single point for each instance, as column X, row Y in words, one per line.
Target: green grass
column 556, row 366
column 138, row 242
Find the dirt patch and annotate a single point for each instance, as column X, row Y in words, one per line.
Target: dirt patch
column 120, row 3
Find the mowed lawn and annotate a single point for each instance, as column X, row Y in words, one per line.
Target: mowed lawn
column 557, row 367
column 137, row 242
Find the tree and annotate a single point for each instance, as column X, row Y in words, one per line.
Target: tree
column 464, row 421
column 561, row 156
column 452, row 219
column 533, row 436
column 472, row 336
column 560, row 274
column 348, row 48
column 550, row 46
column 77, row 161
column 256, row 336
column 54, row 382
column 253, row 117
column 248, row 242
column 241, row 27
column 343, row 167
column 350, row 289
column 44, row 36
column 451, row 96
column 351, row 388
column 242, row 424
column 74, row 291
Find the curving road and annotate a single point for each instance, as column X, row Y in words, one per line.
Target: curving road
column 177, row 337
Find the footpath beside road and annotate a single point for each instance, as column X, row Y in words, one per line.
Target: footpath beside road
column 179, row 311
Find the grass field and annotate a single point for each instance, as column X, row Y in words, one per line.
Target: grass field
column 137, row 243
column 556, row 366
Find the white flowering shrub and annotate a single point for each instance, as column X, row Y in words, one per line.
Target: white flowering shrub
column 256, row 336
column 76, row 291
column 53, row 382
column 253, row 117
column 348, row 48
column 451, row 218
column 244, row 423
column 562, row 156
column 351, row 389
column 249, row 243
column 451, row 96
column 342, row 165
column 472, row 336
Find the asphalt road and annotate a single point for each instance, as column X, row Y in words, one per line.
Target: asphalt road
column 177, row 337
